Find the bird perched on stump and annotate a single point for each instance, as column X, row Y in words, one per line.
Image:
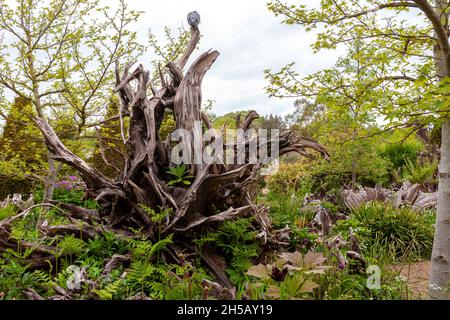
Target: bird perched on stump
column 193, row 19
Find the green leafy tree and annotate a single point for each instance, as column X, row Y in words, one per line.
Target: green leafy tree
column 412, row 68
column 340, row 116
column 22, row 153
column 20, row 142
column 59, row 56
column 229, row 119
column 272, row 121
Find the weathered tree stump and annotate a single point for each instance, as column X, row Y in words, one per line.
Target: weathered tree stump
column 218, row 191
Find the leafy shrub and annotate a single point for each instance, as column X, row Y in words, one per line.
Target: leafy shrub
column 336, row 285
column 179, row 175
column 21, row 153
column 399, row 154
column 331, row 176
column 64, row 194
column 421, row 173
column 290, row 176
column 353, row 161
column 10, row 184
column 322, row 176
column 7, row 212
column 285, row 209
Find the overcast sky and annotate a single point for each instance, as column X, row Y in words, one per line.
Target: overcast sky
column 249, row 39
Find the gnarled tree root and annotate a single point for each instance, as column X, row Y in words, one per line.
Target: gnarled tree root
column 218, row 192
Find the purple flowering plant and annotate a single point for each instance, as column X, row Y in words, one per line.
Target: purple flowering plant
column 70, row 183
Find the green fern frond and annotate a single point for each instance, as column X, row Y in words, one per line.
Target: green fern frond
column 108, row 292
column 159, row 246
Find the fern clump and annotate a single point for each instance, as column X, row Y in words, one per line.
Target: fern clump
column 239, row 245
column 72, row 246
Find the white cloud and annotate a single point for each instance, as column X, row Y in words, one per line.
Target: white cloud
column 249, row 38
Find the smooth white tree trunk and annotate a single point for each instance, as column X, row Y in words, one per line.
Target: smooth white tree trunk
column 439, row 284
column 440, row 259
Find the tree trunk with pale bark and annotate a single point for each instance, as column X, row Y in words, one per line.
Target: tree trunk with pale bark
column 440, row 259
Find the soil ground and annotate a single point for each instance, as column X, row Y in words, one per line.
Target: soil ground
column 417, row 275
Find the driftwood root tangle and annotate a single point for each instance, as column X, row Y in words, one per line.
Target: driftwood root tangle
column 217, row 192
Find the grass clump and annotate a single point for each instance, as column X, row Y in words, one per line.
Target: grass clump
column 392, row 234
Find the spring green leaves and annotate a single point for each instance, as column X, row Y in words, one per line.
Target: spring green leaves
column 180, row 176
